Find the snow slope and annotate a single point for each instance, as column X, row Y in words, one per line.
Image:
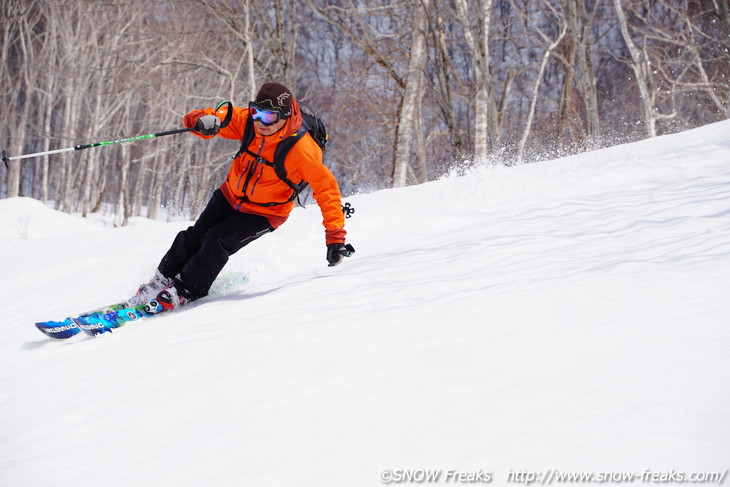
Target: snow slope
column 571, row 315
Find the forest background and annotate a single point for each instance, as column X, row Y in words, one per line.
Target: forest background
column 409, row 90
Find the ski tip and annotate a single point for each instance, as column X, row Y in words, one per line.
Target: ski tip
column 90, row 328
column 60, row 330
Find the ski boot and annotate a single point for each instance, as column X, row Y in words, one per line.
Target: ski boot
column 149, row 290
column 166, row 300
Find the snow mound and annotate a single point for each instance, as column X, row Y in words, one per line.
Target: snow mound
column 569, row 316
column 26, row 218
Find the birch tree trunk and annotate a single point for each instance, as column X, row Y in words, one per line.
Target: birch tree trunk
column 486, row 124
column 642, row 72
column 579, row 26
column 48, row 96
column 22, row 98
column 444, row 83
column 723, row 9
column 410, row 95
column 121, row 214
column 421, row 143
column 248, row 49
column 535, row 91
column 565, row 110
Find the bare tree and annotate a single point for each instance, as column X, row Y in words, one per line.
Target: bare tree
column 405, row 88
column 677, row 50
column 690, row 57
column 414, row 81
column 551, row 46
column 444, row 80
column 580, row 25
column 367, row 27
column 236, row 17
column 21, row 28
column 722, row 7
column 641, row 65
column 476, row 24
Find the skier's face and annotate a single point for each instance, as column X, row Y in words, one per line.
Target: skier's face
column 270, row 129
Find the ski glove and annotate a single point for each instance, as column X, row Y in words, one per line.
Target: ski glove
column 208, row 125
column 338, row 251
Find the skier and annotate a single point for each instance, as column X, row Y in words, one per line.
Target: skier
column 251, row 202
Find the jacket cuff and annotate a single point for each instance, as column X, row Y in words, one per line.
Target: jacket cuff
column 335, row 236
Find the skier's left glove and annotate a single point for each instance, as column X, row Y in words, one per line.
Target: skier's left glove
column 338, row 251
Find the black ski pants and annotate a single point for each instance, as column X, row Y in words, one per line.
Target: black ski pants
column 199, row 253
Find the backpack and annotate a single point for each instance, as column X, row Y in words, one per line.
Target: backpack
column 312, row 125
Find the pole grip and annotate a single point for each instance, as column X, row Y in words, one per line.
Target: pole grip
column 172, row 132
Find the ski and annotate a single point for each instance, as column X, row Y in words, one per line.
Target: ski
column 108, row 318
column 104, row 322
column 59, row 329
column 67, row 328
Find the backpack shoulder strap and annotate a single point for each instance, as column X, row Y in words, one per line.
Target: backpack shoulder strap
column 280, row 156
column 248, row 133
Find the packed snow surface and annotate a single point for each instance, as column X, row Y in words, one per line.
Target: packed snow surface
column 570, row 315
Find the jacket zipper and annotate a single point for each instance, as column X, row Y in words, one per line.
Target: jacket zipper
column 243, row 173
column 250, row 168
column 261, row 172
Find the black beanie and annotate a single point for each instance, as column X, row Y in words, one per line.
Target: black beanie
column 275, row 96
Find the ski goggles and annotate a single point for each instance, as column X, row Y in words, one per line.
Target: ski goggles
column 265, row 116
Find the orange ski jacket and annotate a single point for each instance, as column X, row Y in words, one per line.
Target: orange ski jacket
column 250, row 181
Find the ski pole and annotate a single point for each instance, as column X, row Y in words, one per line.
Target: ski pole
column 225, row 122
column 96, row 144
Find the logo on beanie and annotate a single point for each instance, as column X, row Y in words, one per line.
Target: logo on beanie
column 281, row 99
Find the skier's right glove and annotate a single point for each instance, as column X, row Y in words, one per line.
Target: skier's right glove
column 206, row 125
column 338, row 251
